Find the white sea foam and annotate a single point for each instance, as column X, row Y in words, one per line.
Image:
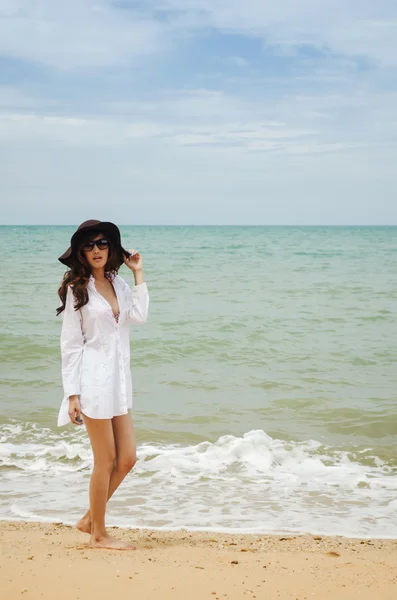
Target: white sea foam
column 251, row 483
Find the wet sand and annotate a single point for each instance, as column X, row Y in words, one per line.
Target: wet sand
column 53, row 561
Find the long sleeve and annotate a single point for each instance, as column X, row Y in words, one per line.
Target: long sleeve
column 72, row 344
column 137, row 302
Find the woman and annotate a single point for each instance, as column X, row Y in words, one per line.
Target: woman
column 98, row 307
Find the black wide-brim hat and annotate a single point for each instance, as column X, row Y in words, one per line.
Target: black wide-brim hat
column 91, row 227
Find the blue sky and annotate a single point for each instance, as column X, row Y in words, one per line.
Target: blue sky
column 198, row 111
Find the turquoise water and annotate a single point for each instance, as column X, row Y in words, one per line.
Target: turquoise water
column 265, row 381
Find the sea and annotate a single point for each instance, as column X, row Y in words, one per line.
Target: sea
column 265, row 382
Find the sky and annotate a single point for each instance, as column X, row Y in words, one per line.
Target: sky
column 198, row 112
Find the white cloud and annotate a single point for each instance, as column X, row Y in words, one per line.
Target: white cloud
column 163, row 183
column 79, row 132
column 81, row 33
column 75, row 34
column 239, row 61
column 351, row 27
column 317, row 144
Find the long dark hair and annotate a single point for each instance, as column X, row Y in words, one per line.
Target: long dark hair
column 80, row 272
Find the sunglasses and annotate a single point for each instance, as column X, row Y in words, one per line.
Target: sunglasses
column 101, row 244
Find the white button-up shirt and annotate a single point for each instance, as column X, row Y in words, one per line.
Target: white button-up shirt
column 95, row 350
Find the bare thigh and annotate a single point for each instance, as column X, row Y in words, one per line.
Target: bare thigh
column 100, row 432
column 124, row 438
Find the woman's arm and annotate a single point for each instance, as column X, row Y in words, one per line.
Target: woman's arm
column 139, row 277
column 72, row 344
column 137, row 298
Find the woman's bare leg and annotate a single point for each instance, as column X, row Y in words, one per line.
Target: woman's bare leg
column 125, row 447
column 101, row 434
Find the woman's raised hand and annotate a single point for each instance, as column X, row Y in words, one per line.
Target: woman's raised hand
column 134, row 262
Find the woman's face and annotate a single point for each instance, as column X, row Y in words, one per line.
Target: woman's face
column 96, row 251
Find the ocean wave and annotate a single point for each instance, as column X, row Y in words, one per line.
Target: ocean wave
column 248, row 483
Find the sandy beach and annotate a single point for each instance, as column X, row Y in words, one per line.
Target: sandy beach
column 47, row 561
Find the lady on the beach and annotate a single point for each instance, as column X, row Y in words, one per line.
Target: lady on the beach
column 98, row 307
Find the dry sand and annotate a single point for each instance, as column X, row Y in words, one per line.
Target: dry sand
column 52, row 561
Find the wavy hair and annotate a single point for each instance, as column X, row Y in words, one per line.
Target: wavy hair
column 79, row 274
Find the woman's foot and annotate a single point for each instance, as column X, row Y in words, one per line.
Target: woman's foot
column 84, row 524
column 110, row 543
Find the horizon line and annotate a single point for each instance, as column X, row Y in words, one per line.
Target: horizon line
column 207, row 225
column 346, row 225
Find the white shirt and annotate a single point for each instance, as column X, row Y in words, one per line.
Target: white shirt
column 95, row 350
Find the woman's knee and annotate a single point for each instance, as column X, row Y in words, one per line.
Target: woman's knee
column 105, row 463
column 124, row 464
